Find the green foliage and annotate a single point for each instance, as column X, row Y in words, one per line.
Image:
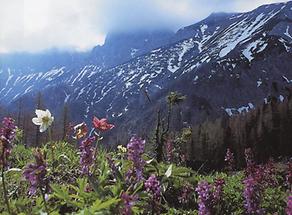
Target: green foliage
column 233, row 189
column 274, row 200
column 100, row 193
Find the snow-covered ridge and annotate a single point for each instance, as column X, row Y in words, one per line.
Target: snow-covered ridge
column 96, row 88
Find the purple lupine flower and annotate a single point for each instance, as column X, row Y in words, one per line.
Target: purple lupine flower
column 257, row 173
column 269, row 175
column 289, row 174
column 128, row 202
column 229, row 160
column 35, row 173
column 7, row 135
column 252, row 196
column 218, row 190
column 152, row 185
column 289, row 205
column 112, row 164
column 186, row 194
column 135, row 149
column 87, row 154
column 204, row 190
column 249, row 159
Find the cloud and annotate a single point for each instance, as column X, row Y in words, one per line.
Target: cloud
column 35, row 25
column 243, row 6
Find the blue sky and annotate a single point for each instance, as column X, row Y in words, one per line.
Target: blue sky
column 36, row 25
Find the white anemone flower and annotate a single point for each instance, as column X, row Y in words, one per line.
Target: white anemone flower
column 44, row 119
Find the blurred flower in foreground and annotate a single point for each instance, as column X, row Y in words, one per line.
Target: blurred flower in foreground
column 35, row 173
column 102, row 124
column 80, row 130
column 44, row 119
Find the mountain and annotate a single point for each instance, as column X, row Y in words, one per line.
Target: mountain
column 120, row 47
column 226, row 64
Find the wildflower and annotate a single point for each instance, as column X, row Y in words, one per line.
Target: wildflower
column 128, row 202
column 35, row 173
column 218, row 190
column 289, row 205
column 135, row 150
column 289, row 174
column 152, row 186
column 186, row 194
column 268, row 172
column 7, row 135
column 229, row 159
column 122, row 149
column 44, row 119
column 88, row 188
column 80, row 130
column 249, row 159
column 87, row 155
column 112, row 164
column 102, row 124
column 205, row 198
column 252, row 196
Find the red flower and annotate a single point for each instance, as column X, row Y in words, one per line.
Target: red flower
column 102, row 124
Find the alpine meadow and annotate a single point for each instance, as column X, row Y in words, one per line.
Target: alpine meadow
column 146, row 107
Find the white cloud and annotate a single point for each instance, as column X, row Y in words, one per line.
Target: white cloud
column 243, row 6
column 35, row 25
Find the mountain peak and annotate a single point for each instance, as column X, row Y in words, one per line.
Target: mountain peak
column 219, row 14
column 120, row 47
column 139, row 36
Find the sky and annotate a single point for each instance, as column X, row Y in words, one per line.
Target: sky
column 79, row 25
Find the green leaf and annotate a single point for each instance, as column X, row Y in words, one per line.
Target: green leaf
column 94, row 183
column 138, row 188
column 168, row 171
column 98, row 205
column 61, row 192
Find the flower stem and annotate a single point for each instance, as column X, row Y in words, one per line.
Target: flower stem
column 95, row 155
column 5, row 191
column 52, row 146
column 44, row 200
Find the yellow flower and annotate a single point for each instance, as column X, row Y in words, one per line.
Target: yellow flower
column 122, row 149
